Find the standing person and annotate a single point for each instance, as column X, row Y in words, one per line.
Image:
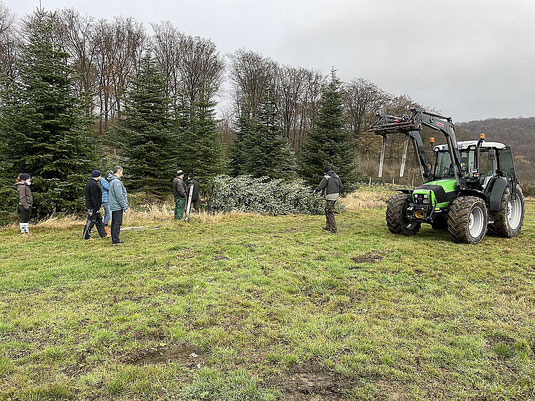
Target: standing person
column 179, row 191
column 193, row 185
column 22, row 184
column 93, row 202
column 330, row 187
column 105, row 186
column 118, row 204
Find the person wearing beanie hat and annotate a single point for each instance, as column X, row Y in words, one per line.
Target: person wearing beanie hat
column 179, row 191
column 330, row 186
column 22, row 184
column 93, row 202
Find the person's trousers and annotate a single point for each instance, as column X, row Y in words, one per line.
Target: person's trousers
column 107, row 213
column 24, row 219
column 94, row 218
column 180, row 204
column 329, row 216
column 116, row 223
column 195, row 205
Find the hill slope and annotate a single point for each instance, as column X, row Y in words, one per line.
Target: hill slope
column 519, row 133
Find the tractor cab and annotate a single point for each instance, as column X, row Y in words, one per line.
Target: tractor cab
column 492, row 156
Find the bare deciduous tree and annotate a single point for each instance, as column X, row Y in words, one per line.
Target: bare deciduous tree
column 251, row 75
column 193, row 66
column 361, row 97
column 9, row 44
column 119, row 46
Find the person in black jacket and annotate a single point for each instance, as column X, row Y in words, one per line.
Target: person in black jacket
column 93, row 202
column 330, row 187
column 193, row 185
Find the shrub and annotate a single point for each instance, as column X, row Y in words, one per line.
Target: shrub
column 262, row 195
column 528, row 188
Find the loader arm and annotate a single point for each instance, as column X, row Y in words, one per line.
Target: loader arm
column 411, row 127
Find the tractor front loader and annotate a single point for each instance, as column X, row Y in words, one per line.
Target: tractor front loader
column 471, row 188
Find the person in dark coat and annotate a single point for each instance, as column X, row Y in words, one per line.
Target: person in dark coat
column 193, row 185
column 25, row 202
column 93, row 202
column 330, row 187
column 180, row 192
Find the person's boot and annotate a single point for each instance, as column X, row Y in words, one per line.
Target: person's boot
column 108, row 233
column 22, row 229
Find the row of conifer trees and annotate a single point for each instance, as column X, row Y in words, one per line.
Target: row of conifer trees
column 45, row 130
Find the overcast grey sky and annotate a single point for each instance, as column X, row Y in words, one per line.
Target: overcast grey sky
column 471, row 59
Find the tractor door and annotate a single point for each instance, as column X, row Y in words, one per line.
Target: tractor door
column 487, row 166
column 507, row 167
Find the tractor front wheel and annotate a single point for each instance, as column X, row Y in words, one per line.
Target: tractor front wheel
column 396, row 213
column 467, row 220
column 509, row 219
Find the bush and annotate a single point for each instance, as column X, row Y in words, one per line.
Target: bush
column 528, row 188
column 262, row 195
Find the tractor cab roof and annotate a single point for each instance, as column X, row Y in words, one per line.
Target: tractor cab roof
column 467, row 144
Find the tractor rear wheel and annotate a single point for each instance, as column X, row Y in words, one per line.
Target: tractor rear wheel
column 467, row 220
column 509, row 219
column 396, row 213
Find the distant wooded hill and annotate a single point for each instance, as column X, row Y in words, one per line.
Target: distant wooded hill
column 519, row 133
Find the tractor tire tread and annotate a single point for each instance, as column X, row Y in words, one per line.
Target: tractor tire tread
column 459, row 216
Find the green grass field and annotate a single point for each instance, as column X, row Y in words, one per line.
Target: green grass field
column 266, row 308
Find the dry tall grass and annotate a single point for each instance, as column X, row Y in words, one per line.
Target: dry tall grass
column 366, row 199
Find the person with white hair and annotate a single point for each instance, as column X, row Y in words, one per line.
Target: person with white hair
column 179, row 191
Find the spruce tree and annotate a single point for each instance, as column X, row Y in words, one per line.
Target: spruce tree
column 270, row 154
column 199, row 147
column 260, row 149
column 43, row 124
column 330, row 144
column 244, row 132
column 146, row 134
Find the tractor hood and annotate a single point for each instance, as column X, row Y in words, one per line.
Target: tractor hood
column 437, row 193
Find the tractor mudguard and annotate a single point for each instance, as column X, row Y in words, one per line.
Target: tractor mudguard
column 496, row 188
column 473, row 192
column 405, row 191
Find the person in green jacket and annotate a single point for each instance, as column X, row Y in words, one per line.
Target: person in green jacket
column 118, row 204
column 179, row 191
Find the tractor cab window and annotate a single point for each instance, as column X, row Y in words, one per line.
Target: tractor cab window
column 467, row 159
column 505, row 162
column 487, row 165
column 444, row 166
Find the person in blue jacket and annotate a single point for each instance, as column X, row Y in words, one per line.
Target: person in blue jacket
column 105, row 186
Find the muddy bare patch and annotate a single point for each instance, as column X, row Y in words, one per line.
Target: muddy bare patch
column 186, row 355
column 370, row 257
column 310, row 382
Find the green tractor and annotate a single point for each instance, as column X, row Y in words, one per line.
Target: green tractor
column 471, row 188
